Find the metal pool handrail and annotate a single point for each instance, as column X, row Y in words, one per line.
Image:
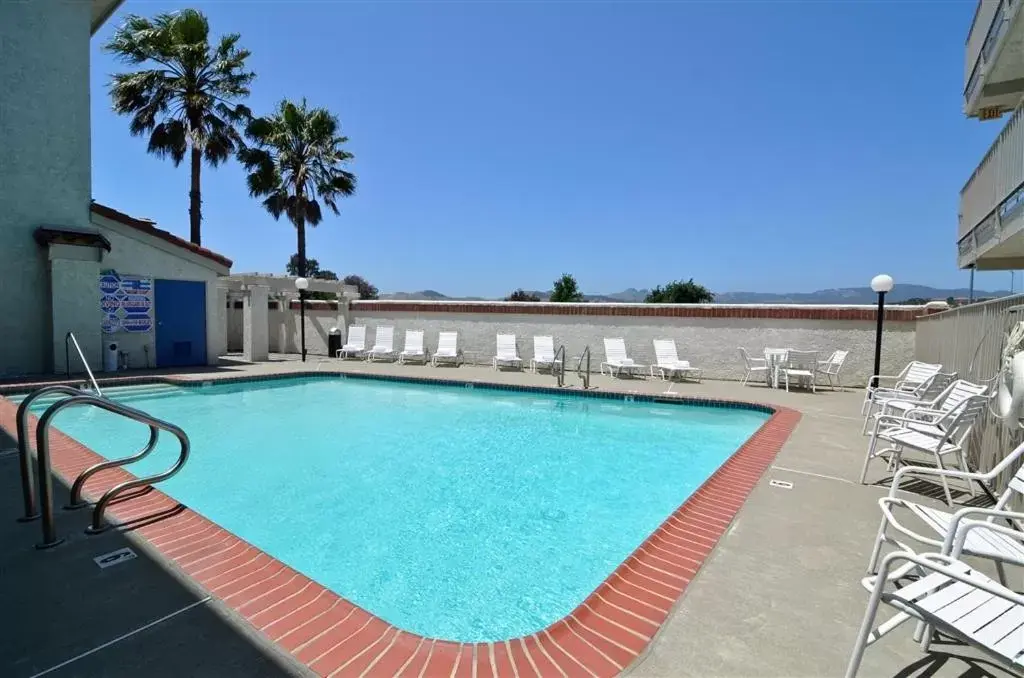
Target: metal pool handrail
column 76, row 500
column 558, row 365
column 584, row 374
column 45, row 475
column 28, row 489
column 70, row 337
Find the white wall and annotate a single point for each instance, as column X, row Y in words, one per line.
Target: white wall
column 709, row 343
column 75, row 293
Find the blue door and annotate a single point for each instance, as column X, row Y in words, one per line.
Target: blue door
column 180, row 308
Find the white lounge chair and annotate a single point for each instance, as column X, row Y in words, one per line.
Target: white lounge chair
column 669, row 363
column 507, row 354
column 544, row 353
column 928, row 411
column 909, row 382
column 413, row 350
column 447, row 349
column 751, row 366
column 615, row 358
column 951, row 597
column 799, row 365
column 384, row 344
column 830, row 369
column 898, row 403
column 356, row 343
column 945, row 436
column 944, row 526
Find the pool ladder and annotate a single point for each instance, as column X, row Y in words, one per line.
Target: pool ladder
column 45, row 473
column 558, row 367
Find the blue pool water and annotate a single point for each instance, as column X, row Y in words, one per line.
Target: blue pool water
column 455, row 513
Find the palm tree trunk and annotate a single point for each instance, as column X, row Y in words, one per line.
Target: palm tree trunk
column 300, row 230
column 195, row 215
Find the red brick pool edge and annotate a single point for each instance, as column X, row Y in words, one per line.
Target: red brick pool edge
column 604, row 635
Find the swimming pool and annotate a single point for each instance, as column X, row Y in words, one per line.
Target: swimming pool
column 454, row 513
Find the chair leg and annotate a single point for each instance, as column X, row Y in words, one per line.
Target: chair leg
column 867, row 459
column 945, row 482
column 867, row 417
column 876, row 552
column 865, row 630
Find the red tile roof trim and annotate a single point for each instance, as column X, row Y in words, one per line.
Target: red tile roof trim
column 752, row 311
column 149, row 228
column 602, row 637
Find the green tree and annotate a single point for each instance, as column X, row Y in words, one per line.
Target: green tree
column 522, row 295
column 566, row 290
column 366, row 290
column 186, row 99
column 915, row 301
column 679, row 292
column 297, row 161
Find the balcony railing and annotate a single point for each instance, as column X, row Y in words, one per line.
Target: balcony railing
column 995, row 191
column 981, row 49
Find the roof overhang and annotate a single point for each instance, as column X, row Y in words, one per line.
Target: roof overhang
column 101, row 11
column 65, row 235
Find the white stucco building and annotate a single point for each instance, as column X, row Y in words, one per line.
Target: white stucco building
column 66, row 263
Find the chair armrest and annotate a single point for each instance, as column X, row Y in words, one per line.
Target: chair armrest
column 964, row 514
column 929, row 471
column 961, row 534
column 944, row 565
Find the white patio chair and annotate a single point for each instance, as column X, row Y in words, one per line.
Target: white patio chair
column 830, row 369
column 615, row 358
column 945, row 436
column 413, row 350
column 356, row 343
column 543, row 353
column 751, row 366
column 929, row 410
column 949, row 596
column 801, row 365
column 447, row 349
column 669, row 363
column 943, row 526
column 383, row 344
column 507, row 354
column 908, row 382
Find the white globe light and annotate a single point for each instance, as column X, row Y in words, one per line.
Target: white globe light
column 301, row 283
column 882, row 283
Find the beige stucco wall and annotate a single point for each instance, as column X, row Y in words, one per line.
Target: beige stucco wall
column 44, row 163
column 76, row 293
column 710, row 343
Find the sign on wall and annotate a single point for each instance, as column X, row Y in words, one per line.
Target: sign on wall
column 126, row 302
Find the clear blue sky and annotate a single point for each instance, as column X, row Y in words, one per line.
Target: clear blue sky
column 759, row 146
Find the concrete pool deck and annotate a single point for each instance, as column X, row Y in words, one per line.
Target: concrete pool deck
column 778, row 596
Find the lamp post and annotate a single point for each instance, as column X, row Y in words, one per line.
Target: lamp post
column 880, row 284
column 301, row 284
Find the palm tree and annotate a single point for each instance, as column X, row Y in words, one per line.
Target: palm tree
column 297, row 160
column 188, row 101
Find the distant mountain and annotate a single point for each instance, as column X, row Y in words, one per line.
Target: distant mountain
column 854, row 295
column 843, row 295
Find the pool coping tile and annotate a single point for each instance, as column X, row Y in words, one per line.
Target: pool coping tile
column 606, row 634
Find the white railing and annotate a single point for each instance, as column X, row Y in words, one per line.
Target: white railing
column 969, row 341
column 997, row 178
column 988, row 25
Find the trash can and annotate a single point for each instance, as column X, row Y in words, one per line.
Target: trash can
column 110, row 356
column 333, row 342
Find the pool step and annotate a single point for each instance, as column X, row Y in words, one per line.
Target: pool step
column 121, row 394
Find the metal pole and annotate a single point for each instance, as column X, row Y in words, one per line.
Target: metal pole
column 970, row 292
column 302, row 321
column 878, row 336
